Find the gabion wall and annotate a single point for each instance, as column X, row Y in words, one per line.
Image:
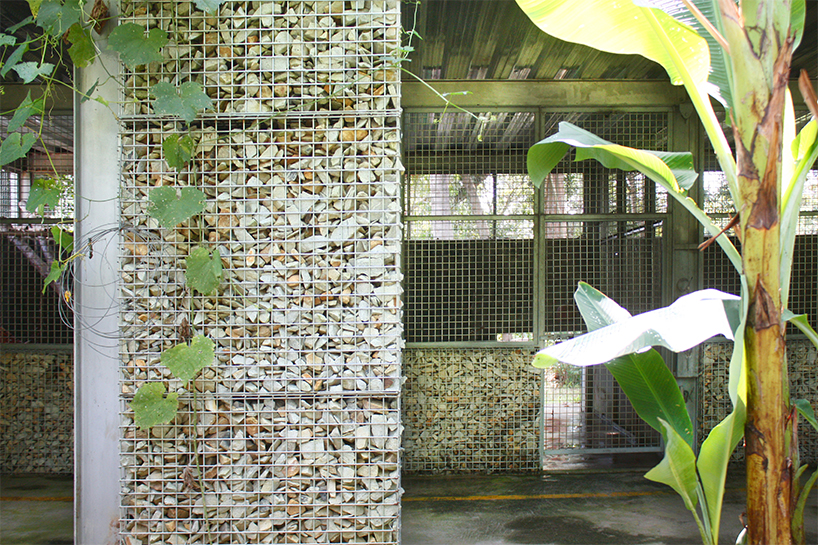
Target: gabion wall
column 471, row 410
column 714, row 401
column 36, row 411
column 298, row 425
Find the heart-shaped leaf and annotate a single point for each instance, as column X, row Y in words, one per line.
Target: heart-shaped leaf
column 184, row 360
column 25, row 110
column 135, row 48
column 184, row 103
column 178, row 150
column 16, row 146
column 44, row 192
column 171, row 208
column 151, row 407
column 203, row 271
column 29, row 71
column 82, row 50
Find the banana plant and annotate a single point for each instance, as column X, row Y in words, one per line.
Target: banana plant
column 738, row 54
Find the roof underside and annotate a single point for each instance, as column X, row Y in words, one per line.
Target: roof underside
column 495, row 40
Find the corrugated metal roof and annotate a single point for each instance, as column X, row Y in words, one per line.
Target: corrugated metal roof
column 493, row 39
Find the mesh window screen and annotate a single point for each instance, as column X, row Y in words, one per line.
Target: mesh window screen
column 623, row 259
column 468, row 290
column 477, row 237
column 468, row 270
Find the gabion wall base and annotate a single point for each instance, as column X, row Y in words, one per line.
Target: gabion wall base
column 36, row 411
column 470, row 410
column 714, row 401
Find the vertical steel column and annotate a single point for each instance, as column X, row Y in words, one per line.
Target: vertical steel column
column 96, row 377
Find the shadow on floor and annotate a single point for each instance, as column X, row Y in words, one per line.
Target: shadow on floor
column 577, row 508
column 36, row 509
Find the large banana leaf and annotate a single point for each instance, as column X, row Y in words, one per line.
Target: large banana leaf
column 719, row 77
column 678, row 470
column 623, row 342
column 600, row 24
column 672, row 170
column 693, row 318
column 625, row 27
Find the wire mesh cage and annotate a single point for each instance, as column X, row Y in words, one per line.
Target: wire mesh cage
column 36, row 320
column 292, row 435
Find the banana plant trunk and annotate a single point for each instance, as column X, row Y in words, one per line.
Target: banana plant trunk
column 760, row 55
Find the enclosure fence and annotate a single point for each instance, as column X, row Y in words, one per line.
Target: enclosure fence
column 36, row 322
column 491, row 266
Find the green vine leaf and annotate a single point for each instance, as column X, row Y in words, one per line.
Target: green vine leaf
column 56, row 17
column 26, row 109
column 13, row 59
column 203, row 271
column 16, row 146
column 151, row 407
column 171, row 208
column 134, row 47
column 178, row 150
column 21, row 24
column 63, row 238
column 209, row 6
column 184, row 360
column 29, row 71
column 85, row 96
column 82, row 50
column 6, row 39
column 805, row 409
column 44, row 192
column 54, row 274
column 185, row 103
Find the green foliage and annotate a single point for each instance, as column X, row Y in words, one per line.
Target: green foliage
column 63, row 238
column 677, row 469
column 57, row 268
column 56, row 17
column 178, row 150
column 171, row 206
column 805, row 410
column 13, row 59
column 24, row 111
column 151, row 407
column 29, row 71
column 209, row 6
column 82, row 50
column 186, row 360
column 203, row 270
column 185, row 103
column 135, row 48
column 44, row 192
column 16, row 146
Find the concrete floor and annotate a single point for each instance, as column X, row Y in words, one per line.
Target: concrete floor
column 36, row 510
column 602, row 507
column 578, row 508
